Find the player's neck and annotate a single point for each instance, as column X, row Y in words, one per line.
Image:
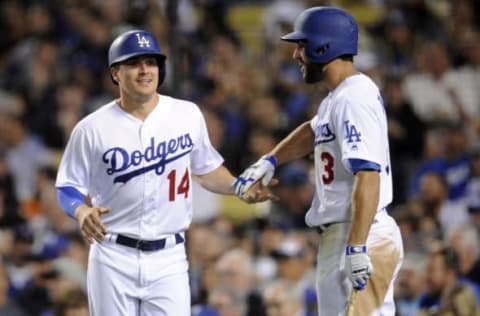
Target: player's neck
column 337, row 71
column 138, row 107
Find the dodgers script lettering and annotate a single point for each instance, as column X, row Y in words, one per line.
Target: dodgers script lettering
column 119, row 159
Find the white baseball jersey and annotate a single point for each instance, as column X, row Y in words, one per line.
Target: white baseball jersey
column 140, row 169
column 350, row 124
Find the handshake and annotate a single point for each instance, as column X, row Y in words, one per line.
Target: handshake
column 253, row 184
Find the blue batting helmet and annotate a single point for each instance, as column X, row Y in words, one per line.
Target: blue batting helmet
column 328, row 33
column 136, row 43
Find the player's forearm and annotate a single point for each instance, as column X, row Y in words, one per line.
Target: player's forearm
column 365, row 197
column 296, row 145
column 218, row 181
column 70, row 199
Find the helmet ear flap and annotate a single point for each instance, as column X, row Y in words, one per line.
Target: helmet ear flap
column 115, row 82
column 322, row 50
column 162, row 70
column 316, row 52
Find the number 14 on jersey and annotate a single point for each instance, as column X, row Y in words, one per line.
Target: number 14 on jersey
column 183, row 185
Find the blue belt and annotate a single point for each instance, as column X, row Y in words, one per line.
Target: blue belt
column 146, row 245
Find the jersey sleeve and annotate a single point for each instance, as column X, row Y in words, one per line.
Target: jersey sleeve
column 313, row 122
column 74, row 169
column 205, row 158
column 361, row 129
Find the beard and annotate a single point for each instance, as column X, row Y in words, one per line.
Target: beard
column 313, row 72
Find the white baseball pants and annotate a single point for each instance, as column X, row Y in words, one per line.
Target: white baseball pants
column 126, row 281
column 385, row 249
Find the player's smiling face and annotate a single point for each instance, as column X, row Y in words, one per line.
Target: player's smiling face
column 138, row 76
column 311, row 72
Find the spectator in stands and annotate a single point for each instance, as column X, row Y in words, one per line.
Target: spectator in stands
column 294, row 263
column 283, row 298
column 295, row 192
column 265, row 113
column 406, row 137
column 259, row 141
column 445, row 294
column 410, row 284
column 227, row 301
column 19, row 259
column 460, row 28
column 473, row 185
column 8, row 305
column 269, row 237
column 396, row 49
column 51, row 75
column 8, row 200
column 72, row 261
column 25, row 155
column 235, row 269
column 434, row 201
column 421, row 18
column 436, row 90
column 470, row 76
column 72, row 303
column 278, row 15
column 201, row 257
column 465, row 242
column 453, row 163
column 69, row 101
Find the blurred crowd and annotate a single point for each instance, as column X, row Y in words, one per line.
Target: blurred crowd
column 244, row 259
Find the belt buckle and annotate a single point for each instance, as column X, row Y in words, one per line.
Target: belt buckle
column 322, row 227
column 138, row 244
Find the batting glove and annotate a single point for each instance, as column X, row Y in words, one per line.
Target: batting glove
column 358, row 266
column 263, row 169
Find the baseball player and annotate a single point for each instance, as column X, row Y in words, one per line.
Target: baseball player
column 359, row 241
column 126, row 177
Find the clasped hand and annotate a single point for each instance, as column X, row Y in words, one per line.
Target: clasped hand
column 358, row 266
column 253, row 184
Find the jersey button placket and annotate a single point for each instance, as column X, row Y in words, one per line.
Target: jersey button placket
column 149, row 182
column 144, row 140
column 141, row 255
column 150, row 193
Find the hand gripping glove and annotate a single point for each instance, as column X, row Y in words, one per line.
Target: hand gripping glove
column 263, row 169
column 358, row 266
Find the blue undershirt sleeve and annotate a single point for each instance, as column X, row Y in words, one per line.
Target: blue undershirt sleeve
column 69, row 199
column 360, row 164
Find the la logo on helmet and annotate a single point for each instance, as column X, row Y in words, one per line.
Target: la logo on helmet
column 142, row 41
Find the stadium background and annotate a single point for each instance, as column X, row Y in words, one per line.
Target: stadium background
column 226, row 57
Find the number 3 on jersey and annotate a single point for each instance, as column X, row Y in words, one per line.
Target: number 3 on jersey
column 182, row 188
column 328, row 162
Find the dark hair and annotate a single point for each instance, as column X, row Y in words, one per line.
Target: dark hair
column 346, row 57
column 450, row 258
column 73, row 299
column 439, row 176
